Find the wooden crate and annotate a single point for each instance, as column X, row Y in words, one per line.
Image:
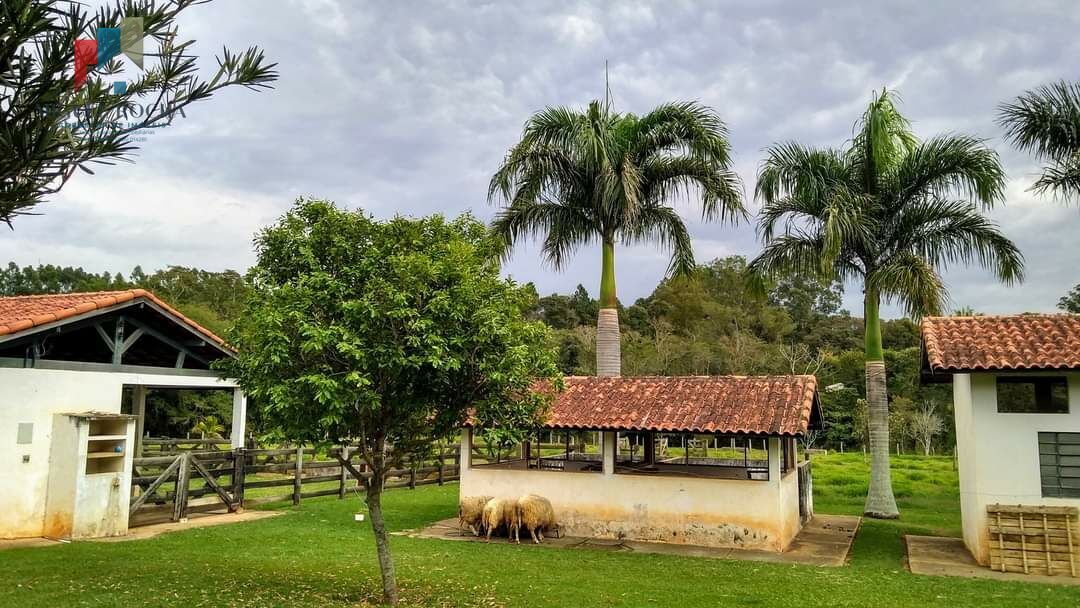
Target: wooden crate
column 1033, row 539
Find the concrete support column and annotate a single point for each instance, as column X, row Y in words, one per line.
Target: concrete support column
column 239, row 418
column 774, row 459
column 466, row 449
column 138, row 407
column 608, row 445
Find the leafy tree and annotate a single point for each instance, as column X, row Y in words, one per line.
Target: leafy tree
column 900, row 333
column 51, row 125
column 208, row 428
column 387, row 334
column 599, row 176
column 1070, row 302
column 1046, row 122
column 888, row 211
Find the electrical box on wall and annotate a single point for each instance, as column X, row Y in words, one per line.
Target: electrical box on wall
column 89, row 475
column 25, row 434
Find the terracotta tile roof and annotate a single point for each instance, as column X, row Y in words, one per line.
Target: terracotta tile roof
column 773, row 405
column 21, row 313
column 1001, row 343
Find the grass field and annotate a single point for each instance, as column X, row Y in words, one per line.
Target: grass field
column 316, row 555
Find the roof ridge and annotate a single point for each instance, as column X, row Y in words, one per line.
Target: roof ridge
column 69, row 294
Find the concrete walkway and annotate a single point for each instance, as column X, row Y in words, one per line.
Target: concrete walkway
column 150, row 531
column 940, row 556
column 825, row 541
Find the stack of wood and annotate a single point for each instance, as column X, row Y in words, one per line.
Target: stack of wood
column 1033, row 539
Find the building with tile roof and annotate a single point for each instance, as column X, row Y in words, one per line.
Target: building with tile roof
column 703, row 460
column 75, row 370
column 1016, row 401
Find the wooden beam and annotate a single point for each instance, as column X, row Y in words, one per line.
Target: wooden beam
column 167, row 340
column 180, row 356
column 135, row 335
column 118, row 341
column 104, row 336
column 88, row 366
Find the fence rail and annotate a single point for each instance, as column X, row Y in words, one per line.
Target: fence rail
column 181, row 481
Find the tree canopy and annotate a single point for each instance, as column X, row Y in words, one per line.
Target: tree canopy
column 52, row 122
column 386, row 334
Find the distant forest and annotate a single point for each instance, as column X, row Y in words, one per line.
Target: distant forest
column 711, row 322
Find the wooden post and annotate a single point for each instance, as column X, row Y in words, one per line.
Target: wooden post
column 180, row 497
column 650, row 448
column 412, row 474
column 299, row 473
column 344, row 472
column 442, row 460
column 138, row 407
column 239, row 462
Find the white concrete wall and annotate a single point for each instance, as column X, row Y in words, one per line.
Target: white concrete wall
column 34, row 395
column 685, row 510
column 998, row 454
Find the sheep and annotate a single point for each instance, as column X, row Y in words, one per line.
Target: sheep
column 495, row 514
column 471, row 513
column 535, row 514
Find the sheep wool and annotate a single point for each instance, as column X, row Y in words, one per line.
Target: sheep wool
column 471, row 513
column 535, row 514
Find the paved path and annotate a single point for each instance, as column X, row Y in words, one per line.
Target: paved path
column 825, row 541
column 942, row 556
column 150, row 531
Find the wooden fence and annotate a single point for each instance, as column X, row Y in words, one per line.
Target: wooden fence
column 183, row 480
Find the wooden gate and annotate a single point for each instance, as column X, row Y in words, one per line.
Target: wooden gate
column 182, row 477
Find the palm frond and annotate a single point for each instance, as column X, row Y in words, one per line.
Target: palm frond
column 565, row 228
column 944, row 232
column 1045, row 121
column 1061, row 178
column 945, row 165
column 912, row 282
column 672, row 177
column 663, row 226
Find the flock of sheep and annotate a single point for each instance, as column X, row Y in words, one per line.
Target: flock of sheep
column 485, row 515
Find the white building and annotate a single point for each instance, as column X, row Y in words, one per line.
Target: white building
column 1016, row 395
column 65, row 362
column 695, row 460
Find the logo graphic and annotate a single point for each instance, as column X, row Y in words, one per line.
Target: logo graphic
column 110, row 42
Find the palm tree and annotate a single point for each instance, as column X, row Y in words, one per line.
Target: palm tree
column 581, row 177
column 1046, row 121
column 888, row 211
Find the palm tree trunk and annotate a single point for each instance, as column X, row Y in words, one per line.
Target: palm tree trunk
column 608, row 356
column 880, row 502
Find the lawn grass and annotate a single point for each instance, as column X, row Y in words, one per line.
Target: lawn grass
column 316, row 555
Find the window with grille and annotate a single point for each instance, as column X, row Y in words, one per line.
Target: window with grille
column 1059, row 464
column 1032, row 395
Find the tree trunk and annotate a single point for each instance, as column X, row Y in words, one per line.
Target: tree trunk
column 880, row 502
column 382, row 539
column 608, row 356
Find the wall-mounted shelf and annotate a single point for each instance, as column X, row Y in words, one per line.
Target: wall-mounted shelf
column 106, row 437
column 105, row 455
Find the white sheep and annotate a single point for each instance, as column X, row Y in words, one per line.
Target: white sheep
column 471, row 513
column 535, row 514
column 495, row 514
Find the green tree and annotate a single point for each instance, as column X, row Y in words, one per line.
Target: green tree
column 49, row 127
column 1070, row 302
column 888, row 211
column 387, row 334
column 1046, row 122
column 599, row 176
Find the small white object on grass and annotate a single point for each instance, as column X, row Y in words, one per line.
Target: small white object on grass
column 358, row 517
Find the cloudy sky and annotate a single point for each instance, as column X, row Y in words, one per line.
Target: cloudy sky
column 409, row 107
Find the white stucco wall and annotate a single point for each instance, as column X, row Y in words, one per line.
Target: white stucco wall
column 685, row 510
column 34, row 395
column 998, row 454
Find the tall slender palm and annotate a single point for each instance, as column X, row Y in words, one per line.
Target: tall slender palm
column 1046, row 121
column 888, row 211
column 580, row 177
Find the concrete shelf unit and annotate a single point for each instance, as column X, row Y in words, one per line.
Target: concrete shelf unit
column 90, row 475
